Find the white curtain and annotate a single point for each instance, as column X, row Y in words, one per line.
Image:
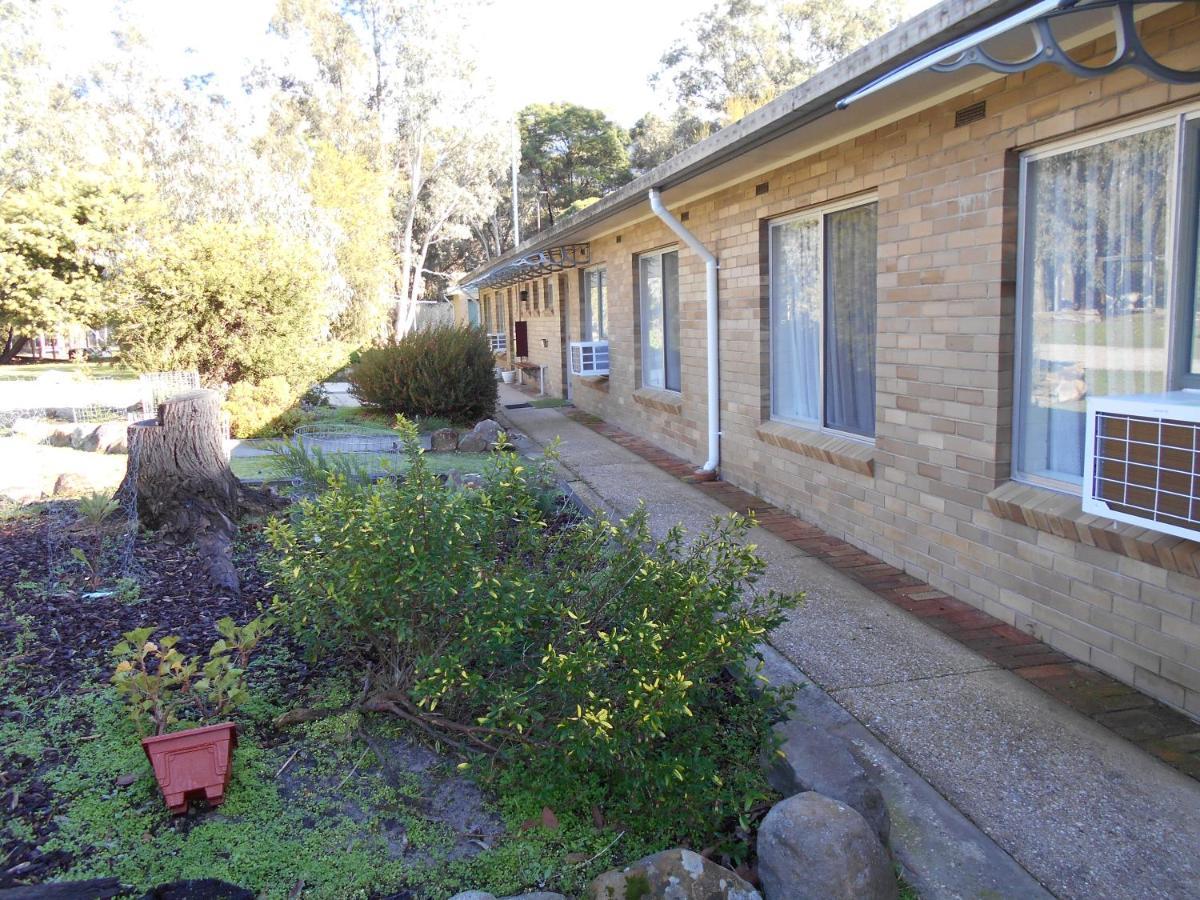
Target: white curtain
column 851, row 251
column 1094, row 289
column 670, row 279
column 653, row 350
column 796, row 319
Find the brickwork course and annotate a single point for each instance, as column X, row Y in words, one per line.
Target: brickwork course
column 928, row 514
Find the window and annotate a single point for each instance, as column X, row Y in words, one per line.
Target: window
column 487, row 314
column 823, row 299
column 472, row 313
column 548, row 294
column 594, row 321
column 658, row 288
column 1099, row 312
column 501, row 303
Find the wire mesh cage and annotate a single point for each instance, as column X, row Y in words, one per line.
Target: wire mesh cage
column 159, row 386
column 331, row 437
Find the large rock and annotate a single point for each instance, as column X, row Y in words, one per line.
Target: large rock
column 813, row 848
column 471, row 442
column 443, row 440
column 489, row 430
column 812, row 759
column 107, row 437
column 672, row 875
column 69, row 484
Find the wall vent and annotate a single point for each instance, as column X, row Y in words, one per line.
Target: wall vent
column 1142, row 461
column 683, row 217
column 969, row 114
column 618, row 239
column 761, row 188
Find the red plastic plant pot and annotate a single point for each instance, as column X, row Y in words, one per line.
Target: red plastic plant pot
column 193, row 764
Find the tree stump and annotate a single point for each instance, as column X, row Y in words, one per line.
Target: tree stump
column 182, row 483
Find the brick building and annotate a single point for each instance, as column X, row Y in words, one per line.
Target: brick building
column 918, row 292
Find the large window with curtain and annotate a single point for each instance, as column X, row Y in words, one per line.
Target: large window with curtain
column 594, row 317
column 658, row 292
column 823, row 309
column 1107, row 284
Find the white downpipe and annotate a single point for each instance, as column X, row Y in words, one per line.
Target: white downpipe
column 714, row 357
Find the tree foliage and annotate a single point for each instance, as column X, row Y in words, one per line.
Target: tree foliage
column 743, row 53
column 235, row 302
column 59, row 242
column 571, row 153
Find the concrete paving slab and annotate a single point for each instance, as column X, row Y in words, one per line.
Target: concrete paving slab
column 943, row 854
column 1086, row 812
column 845, row 636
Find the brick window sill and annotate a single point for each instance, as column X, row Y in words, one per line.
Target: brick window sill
column 854, row 456
column 663, row 401
column 1062, row 515
column 595, row 382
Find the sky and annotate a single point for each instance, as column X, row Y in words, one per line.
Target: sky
column 532, row 50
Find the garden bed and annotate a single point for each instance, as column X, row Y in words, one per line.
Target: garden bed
column 347, row 806
column 469, row 685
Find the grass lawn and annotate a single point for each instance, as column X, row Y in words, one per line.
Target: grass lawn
column 548, row 403
column 82, row 370
column 266, row 468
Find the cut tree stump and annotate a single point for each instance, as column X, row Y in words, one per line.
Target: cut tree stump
column 182, row 482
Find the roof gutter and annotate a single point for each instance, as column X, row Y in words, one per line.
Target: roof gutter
column 711, row 310
column 956, row 48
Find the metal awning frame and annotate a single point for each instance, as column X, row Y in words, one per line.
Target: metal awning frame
column 968, row 51
column 536, row 265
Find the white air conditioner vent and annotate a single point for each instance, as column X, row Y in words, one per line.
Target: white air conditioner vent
column 589, row 358
column 1142, row 461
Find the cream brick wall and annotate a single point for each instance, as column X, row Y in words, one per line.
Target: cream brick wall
column 947, row 231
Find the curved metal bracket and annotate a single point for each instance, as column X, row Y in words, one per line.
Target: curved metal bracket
column 1128, row 50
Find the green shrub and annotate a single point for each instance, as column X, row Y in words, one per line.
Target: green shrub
column 591, row 658
column 265, row 409
column 446, row 371
column 234, row 302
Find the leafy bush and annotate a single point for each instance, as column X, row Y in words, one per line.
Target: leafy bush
column 446, row 371
column 235, row 302
column 164, row 686
column 265, row 409
column 589, row 656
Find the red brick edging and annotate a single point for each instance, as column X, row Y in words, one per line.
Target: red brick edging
column 1142, row 720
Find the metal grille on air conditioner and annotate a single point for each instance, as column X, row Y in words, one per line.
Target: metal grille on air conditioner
column 1142, row 461
column 589, row 358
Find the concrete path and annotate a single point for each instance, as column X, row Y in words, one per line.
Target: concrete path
column 1085, row 812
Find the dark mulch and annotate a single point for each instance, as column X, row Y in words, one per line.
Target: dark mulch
column 55, row 641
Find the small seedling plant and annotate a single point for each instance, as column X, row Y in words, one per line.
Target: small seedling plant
column 95, row 515
column 164, row 687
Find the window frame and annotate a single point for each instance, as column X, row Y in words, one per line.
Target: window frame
column 658, row 253
column 819, row 213
column 1186, row 122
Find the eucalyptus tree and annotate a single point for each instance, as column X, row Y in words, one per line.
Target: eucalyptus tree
column 741, row 54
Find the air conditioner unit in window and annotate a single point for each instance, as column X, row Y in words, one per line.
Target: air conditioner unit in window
column 589, row 358
column 1141, row 461
column 498, row 341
